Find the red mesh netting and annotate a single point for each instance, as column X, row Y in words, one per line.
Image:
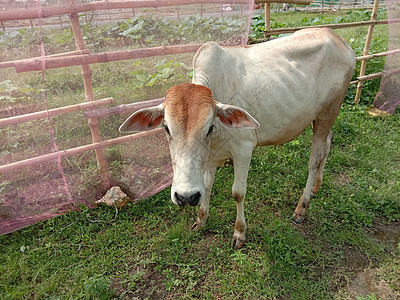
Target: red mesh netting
column 388, row 97
column 43, row 169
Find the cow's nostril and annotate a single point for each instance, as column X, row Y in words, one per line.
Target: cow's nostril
column 180, row 200
column 191, row 200
column 194, row 199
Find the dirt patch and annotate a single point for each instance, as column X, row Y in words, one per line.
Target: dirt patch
column 366, row 280
column 354, row 259
column 365, row 283
column 388, row 234
column 141, row 282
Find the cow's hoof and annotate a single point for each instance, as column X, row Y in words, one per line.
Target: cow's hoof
column 237, row 243
column 313, row 195
column 298, row 218
column 197, row 226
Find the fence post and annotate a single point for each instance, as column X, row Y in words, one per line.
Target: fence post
column 30, row 20
column 87, row 81
column 267, row 8
column 365, row 52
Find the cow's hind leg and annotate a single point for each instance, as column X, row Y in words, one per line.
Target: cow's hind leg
column 318, row 177
column 321, row 143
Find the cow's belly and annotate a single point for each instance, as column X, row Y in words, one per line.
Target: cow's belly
column 278, row 136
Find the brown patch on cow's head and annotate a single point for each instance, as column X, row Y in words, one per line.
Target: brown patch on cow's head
column 189, row 105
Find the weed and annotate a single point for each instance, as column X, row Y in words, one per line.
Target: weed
column 165, row 71
column 97, row 287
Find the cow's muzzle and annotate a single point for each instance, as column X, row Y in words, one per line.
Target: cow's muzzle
column 191, row 200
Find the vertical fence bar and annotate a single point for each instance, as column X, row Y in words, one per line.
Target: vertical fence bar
column 87, row 81
column 59, row 17
column 365, row 52
column 30, row 20
column 60, row 21
column 267, row 8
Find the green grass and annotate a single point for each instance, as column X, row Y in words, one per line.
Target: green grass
column 150, row 251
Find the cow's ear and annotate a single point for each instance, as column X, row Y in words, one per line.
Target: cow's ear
column 143, row 120
column 235, row 117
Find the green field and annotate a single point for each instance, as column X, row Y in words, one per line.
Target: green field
column 348, row 247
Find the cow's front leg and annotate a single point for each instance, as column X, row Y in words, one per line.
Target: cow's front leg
column 241, row 167
column 209, row 176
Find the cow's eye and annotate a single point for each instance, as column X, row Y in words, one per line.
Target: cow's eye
column 167, row 129
column 210, row 130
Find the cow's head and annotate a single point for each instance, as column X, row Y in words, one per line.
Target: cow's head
column 189, row 116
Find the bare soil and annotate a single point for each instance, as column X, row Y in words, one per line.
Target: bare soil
column 366, row 280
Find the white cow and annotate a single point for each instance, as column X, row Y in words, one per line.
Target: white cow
column 243, row 97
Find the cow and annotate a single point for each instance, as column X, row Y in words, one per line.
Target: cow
column 248, row 96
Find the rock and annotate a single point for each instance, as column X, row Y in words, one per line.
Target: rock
column 114, row 196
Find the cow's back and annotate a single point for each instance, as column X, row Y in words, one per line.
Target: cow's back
column 283, row 83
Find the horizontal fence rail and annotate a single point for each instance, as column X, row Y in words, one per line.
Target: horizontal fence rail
column 300, row 2
column 9, row 64
column 375, row 75
column 77, row 150
column 121, row 109
column 45, row 12
column 54, row 112
column 332, row 26
column 371, row 56
column 35, row 64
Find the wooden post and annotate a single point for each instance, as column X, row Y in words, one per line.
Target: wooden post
column 59, row 17
column 267, row 18
column 60, row 20
column 109, row 14
column 30, row 20
column 365, row 52
column 87, row 81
